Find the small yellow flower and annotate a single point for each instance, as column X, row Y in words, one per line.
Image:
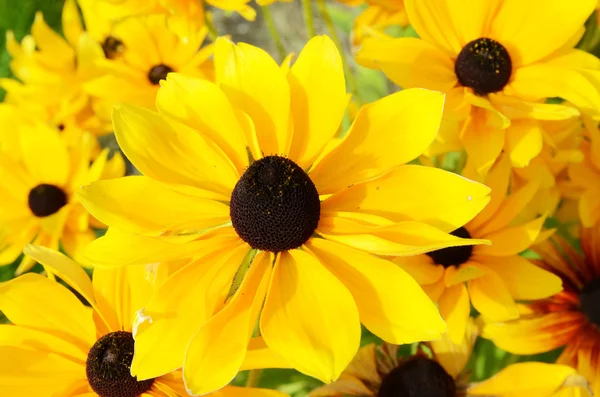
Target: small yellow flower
column 569, row 319
column 244, row 181
column 377, row 17
column 497, row 62
column 59, row 346
column 37, row 187
column 491, row 277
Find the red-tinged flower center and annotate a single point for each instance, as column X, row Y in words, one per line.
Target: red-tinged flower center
column 45, row 200
column 589, row 301
column 453, row 256
column 112, row 47
column 108, row 367
column 275, row 206
column 418, row 377
column 158, row 73
column 484, row 65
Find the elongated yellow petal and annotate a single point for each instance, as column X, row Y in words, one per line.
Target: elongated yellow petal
column 403, row 195
column 384, row 135
column 171, row 152
column 421, row 268
column 491, row 297
column 318, row 99
column 431, row 22
column 524, row 139
column 454, row 356
column 45, row 155
column 455, row 308
column 369, row 278
column 512, row 240
column 259, row 355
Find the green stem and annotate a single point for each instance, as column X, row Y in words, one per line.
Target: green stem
column 253, row 378
column 352, row 86
column 212, row 31
column 274, row 32
column 308, row 18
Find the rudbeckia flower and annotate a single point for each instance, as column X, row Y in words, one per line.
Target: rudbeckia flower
column 496, row 62
column 140, row 52
column 37, row 186
column 244, row 177
column 378, row 16
column 491, row 277
column 380, row 371
column 569, row 319
column 52, row 69
column 56, row 345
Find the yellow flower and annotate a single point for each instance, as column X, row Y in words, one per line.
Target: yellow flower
column 244, row 178
column 59, row 346
column 140, row 52
column 378, row 16
column 569, row 319
column 497, row 62
column 52, row 70
column 492, row 276
column 379, row 371
column 37, row 186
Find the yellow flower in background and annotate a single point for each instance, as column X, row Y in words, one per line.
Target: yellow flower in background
column 496, row 62
column 491, row 277
column 37, row 186
column 140, row 52
column 569, row 319
column 379, row 371
column 244, row 178
column 59, row 346
column 377, row 17
column 52, row 70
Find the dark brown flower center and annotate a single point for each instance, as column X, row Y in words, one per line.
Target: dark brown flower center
column 484, row 65
column 275, row 206
column 108, row 367
column 418, row 377
column 112, row 47
column 45, row 200
column 589, row 301
column 158, row 73
column 453, row 256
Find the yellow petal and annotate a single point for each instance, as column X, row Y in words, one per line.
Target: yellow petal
column 255, row 83
column 518, row 274
column 216, row 352
column 138, row 204
column 512, row 240
column 409, row 62
column 45, row 155
column 454, row 356
column 432, row 23
column 411, row 192
column 528, row 30
column 259, row 356
column 71, row 22
column 318, row 99
column 421, row 268
column 318, row 332
column 385, row 134
column 202, row 105
column 491, row 297
column 25, row 301
column 369, row 278
column 168, row 151
column 50, row 42
column 164, row 328
column 524, row 141
column 232, row 391
column 455, row 308
column 463, row 273
column 482, row 142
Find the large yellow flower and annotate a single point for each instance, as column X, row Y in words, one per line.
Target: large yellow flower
column 52, row 69
column 490, row 277
column 37, row 186
column 497, row 61
column 58, row 346
column 381, row 372
column 244, row 178
column 569, row 319
column 140, row 52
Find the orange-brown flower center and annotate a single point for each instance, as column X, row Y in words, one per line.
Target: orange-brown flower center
column 589, row 301
column 112, row 47
column 484, row 65
column 158, row 73
column 45, row 200
column 108, row 367
column 453, row 256
column 418, row 377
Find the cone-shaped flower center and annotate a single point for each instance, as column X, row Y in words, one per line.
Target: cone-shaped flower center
column 108, row 367
column 418, row 377
column 453, row 256
column 158, row 73
column 589, row 301
column 112, row 47
column 45, row 200
column 275, row 206
column 484, row 65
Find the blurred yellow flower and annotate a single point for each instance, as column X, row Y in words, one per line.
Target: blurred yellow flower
column 242, row 178
column 497, row 62
column 491, row 277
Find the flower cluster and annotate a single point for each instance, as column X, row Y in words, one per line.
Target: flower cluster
column 177, row 207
